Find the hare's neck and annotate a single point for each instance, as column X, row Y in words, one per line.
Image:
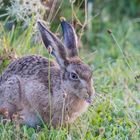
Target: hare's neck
column 74, row 107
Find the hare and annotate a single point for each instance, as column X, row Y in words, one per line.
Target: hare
column 41, row 90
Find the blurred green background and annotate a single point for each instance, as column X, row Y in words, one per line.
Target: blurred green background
column 109, row 41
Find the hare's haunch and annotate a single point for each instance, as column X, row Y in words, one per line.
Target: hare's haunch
column 37, row 89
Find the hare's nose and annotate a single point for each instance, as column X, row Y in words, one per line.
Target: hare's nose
column 87, row 96
column 90, row 92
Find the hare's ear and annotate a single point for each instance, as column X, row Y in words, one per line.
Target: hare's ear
column 70, row 38
column 54, row 45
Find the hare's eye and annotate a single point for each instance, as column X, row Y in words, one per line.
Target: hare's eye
column 74, row 76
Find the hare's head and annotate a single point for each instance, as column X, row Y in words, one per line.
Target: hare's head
column 76, row 76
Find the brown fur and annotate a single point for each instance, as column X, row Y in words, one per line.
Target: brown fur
column 33, row 89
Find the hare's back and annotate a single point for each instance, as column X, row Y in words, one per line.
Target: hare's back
column 26, row 66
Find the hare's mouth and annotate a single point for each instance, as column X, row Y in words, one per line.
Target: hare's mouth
column 89, row 100
column 85, row 98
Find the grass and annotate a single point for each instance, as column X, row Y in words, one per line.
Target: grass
column 115, row 112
